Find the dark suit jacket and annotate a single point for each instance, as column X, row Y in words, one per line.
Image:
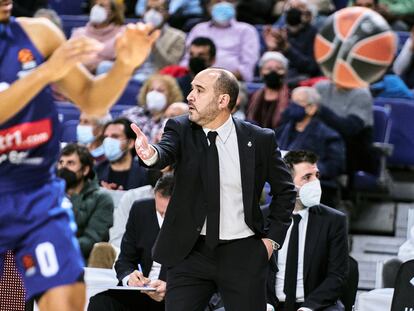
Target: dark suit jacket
column 325, row 259
column 141, row 232
column 184, row 143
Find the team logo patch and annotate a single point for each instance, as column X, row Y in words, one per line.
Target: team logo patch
column 29, row 265
column 26, row 58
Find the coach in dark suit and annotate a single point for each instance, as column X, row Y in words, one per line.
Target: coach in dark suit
column 313, row 266
column 214, row 237
column 144, row 222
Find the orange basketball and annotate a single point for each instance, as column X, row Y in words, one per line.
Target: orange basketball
column 354, row 47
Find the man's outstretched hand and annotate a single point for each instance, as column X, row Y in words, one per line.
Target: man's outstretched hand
column 143, row 149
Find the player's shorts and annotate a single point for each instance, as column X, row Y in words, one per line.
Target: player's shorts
column 38, row 225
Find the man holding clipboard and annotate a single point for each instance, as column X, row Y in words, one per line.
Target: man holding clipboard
column 135, row 267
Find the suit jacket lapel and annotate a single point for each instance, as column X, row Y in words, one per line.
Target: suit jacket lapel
column 247, row 149
column 312, row 236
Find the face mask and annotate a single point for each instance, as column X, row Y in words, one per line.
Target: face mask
column 310, row 193
column 112, row 149
column 273, row 80
column 293, row 17
column 84, row 134
column 156, row 101
column 97, row 152
column 153, row 17
column 98, row 14
column 223, row 12
column 197, row 64
column 295, row 112
column 68, row 176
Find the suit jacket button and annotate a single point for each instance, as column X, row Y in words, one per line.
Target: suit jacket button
column 199, row 229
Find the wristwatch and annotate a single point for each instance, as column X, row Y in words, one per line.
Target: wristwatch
column 275, row 246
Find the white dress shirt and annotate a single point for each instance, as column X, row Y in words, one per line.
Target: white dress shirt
column 156, row 267
column 281, row 260
column 232, row 223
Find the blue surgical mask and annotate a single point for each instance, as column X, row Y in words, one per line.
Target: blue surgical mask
column 295, row 112
column 112, row 149
column 97, row 152
column 84, row 134
column 223, row 12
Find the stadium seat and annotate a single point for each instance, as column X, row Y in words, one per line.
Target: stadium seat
column 402, row 37
column 74, row 7
column 253, row 87
column 364, row 181
column 69, row 22
column 69, row 131
column 67, row 111
column 129, row 96
column 401, row 135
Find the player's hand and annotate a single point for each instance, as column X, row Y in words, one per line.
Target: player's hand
column 160, row 289
column 69, row 54
column 269, row 247
column 143, row 149
column 134, row 44
column 136, row 278
column 111, row 186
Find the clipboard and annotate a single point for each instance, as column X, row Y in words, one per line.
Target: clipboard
column 138, row 288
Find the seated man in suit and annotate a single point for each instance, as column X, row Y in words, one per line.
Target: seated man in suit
column 144, row 222
column 315, row 244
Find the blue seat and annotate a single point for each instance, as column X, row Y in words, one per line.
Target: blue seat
column 253, row 87
column 69, row 131
column 74, row 7
column 69, row 22
column 364, row 181
column 129, row 96
column 67, row 111
column 402, row 132
column 402, row 37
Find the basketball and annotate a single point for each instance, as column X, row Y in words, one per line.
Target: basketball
column 354, row 47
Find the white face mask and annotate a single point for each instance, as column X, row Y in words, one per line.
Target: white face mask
column 153, row 17
column 156, row 101
column 98, row 14
column 310, row 193
column 84, row 134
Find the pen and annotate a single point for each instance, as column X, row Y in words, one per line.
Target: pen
column 140, row 270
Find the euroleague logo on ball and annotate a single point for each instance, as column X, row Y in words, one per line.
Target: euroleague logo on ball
column 354, row 47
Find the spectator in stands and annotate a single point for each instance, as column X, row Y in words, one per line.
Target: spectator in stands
column 144, row 222
column 350, row 112
column 89, row 133
column 91, row 206
column 157, row 93
column 394, row 13
column 294, row 38
column 313, row 264
column 27, row 7
column 182, row 14
column 202, row 53
column 237, row 43
column 304, row 131
column 257, row 12
column 239, row 110
column 404, row 63
column 50, row 15
column 174, row 110
column 267, row 104
column 121, row 170
column 106, row 20
column 168, row 49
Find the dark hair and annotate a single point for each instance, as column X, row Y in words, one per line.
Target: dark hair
column 165, row 185
column 227, row 83
column 84, row 155
column 299, row 156
column 204, row 41
column 375, row 2
column 129, row 133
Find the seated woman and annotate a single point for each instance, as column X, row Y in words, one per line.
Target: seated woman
column 106, row 20
column 157, row 93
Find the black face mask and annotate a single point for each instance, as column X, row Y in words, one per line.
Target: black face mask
column 293, row 17
column 273, row 80
column 69, row 177
column 197, row 64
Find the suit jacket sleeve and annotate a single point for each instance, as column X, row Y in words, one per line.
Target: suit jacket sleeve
column 130, row 254
column 328, row 292
column 283, row 194
column 169, row 146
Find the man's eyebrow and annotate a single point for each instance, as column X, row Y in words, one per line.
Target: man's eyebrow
column 197, row 86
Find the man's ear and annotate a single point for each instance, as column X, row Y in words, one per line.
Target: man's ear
column 224, row 100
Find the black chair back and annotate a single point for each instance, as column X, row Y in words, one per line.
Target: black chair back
column 351, row 285
column 403, row 298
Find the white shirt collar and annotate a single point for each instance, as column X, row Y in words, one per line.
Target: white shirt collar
column 223, row 131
